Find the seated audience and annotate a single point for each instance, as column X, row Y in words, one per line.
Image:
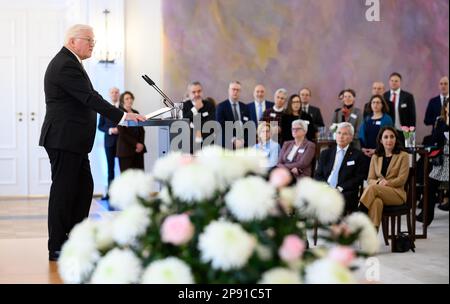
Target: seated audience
column 388, row 174
column 349, row 113
column 297, row 155
column 342, row 166
column 372, row 124
column 294, row 112
column 130, row 141
column 439, row 173
column 267, row 145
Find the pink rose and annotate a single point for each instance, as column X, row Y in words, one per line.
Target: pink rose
column 405, row 129
column 342, row 254
column 292, row 248
column 177, row 229
column 280, row 177
column 411, row 129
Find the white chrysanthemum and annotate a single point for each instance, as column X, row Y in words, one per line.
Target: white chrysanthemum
column 226, row 245
column 194, row 182
column 117, row 267
column 166, row 166
column 226, row 167
column 253, row 160
column 280, row 275
column 319, row 200
column 287, row 198
column 79, row 254
column 251, row 198
column 264, row 252
column 130, row 185
column 168, row 271
column 326, row 271
column 104, row 233
column 130, row 224
column 368, row 236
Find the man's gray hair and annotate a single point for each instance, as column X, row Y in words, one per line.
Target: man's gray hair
column 75, row 31
column 347, row 125
column 300, row 123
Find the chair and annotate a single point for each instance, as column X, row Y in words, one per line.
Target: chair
column 395, row 213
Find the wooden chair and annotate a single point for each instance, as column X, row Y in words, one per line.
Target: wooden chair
column 395, row 213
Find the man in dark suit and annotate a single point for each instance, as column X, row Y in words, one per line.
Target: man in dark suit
column 68, row 134
column 435, row 104
column 257, row 108
column 110, row 129
column 232, row 111
column 199, row 111
column 402, row 107
column 314, row 112
column 342, row 167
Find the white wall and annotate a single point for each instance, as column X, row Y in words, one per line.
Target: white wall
column 144, row 55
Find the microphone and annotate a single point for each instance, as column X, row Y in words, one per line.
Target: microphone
column 167, row 101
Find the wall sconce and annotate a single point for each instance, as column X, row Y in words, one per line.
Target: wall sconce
column 104, row 51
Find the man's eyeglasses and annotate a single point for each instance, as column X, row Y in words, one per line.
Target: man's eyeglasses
column 89, row 40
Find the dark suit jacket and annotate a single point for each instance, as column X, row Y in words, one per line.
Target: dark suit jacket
column 224, row 113
column 316, row 116
column 72, row 106
column 128, row 138
column 351, row 173
column 433, row 111
column 251, row 107
column 303, row 159
column 207, row 113
column 104, row 125
column 406, row 108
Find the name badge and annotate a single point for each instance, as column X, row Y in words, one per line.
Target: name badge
column 403, row 105
column 354, row 116
column 273, row 115
column 245, row 118
column 378, row 123
column 307, row 122
column 192, row 125
column 205, row 114
column 301, row 151
column 351, row 163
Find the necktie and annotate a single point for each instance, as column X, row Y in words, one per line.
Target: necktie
column 333, row 179
column 305, row 109
column 235, row 112
column 260, row 111
column 394, row 98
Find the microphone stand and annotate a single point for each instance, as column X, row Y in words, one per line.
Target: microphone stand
column 166, row 100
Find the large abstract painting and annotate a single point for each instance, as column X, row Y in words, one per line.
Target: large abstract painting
column 326, row 45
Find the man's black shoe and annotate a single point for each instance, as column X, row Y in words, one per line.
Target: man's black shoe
column 443, row 207
column 53, row 255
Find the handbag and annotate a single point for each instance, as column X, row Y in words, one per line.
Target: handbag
column 403, row 243
column 437, row 157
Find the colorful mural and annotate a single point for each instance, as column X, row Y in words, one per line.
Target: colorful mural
column 325, row 45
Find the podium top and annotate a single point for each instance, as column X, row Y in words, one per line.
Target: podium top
column 153, row 122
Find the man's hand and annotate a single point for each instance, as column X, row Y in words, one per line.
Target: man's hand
column 135, row 117
column 295, row 171
column 114, row 131
column 139, row 148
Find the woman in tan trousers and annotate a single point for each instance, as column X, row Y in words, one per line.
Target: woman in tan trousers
column 388, row 174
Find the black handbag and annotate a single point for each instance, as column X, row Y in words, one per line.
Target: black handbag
column 403, row 243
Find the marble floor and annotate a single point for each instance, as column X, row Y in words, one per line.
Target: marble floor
column 24, row 256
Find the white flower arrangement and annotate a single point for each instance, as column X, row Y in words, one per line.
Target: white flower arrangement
column 217, row 220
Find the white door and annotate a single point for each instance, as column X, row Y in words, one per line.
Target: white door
column 45, row 36
column 13, row 88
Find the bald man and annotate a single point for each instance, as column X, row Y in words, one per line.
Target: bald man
column 435, row 104
column 377, row 89
column 259, row 105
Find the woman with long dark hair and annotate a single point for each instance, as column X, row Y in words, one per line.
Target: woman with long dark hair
column 294, row 112
column 388, row 174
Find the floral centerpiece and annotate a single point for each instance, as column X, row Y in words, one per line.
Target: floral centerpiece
column 218, row 219
column 333, row 129
column 410, row 136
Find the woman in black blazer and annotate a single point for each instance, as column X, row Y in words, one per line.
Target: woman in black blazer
column 130, row 142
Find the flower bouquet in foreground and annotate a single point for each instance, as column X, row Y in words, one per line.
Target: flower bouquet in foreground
column 217, row 219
